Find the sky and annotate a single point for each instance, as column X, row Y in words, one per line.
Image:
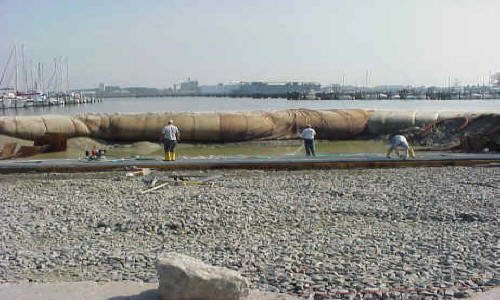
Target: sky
column 160, row 43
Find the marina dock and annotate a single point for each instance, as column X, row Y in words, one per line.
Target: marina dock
column 6, row 103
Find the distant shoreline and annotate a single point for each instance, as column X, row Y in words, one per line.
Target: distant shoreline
column 263, row 96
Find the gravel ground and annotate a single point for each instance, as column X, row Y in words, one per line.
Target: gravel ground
column 298, row 232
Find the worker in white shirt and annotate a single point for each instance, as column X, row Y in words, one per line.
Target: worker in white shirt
column 170, row 136
column 308, row 136
column 398, row 140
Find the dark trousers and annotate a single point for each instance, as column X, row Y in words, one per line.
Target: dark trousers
column 169, row 145
column 309, row 145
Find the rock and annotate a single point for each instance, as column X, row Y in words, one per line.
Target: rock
column 182, row 277
column 461, row 294
column 493, row 282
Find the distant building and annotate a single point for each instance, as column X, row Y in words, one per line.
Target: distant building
column 101, row 87
column 230, row 88
column 188, row 87
column 219, row 89
column 276, row 88
column 495, row 79
column 112, row 89
column 495, row 85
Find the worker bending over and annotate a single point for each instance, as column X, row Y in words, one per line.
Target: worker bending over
column 398, row 140
column 170, row 136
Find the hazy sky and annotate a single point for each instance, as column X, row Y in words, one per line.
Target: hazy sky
column 158, row 43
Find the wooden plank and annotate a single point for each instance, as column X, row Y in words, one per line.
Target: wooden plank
column 154, row 188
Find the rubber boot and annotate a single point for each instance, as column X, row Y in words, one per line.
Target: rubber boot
column 167, row 156
column 412, row 152
column 173, row 155
column 388, row 154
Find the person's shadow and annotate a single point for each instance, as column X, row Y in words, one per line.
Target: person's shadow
column 146, row 295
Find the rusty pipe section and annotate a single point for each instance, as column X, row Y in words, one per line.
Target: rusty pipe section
column 226, row 127
column 195, row 127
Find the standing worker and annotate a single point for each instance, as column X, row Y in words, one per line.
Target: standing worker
column 308, row 136
column 398, row 140
column 170, row 137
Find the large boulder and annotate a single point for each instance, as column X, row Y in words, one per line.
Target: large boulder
column 185, row 278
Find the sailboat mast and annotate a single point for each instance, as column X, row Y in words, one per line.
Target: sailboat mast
column 56, row 78
column 17, row 71
column 37, row 82
column 60, row 72
column 24, row 69
column 7, row 66
column 42, row 88
column 32, row 79
column 67, row 76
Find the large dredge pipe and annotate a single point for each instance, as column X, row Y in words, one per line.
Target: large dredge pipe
column 223, row 127
column 388, row 121
column 195, row 127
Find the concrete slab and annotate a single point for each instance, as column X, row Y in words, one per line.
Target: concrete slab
column 493, row 294
column 273, row 162
column 100, row 291
column 131, row 291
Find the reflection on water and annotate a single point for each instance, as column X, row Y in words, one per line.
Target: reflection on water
column 211, row 104
column 76, row 149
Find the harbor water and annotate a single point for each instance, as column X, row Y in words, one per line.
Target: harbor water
column 226, row 104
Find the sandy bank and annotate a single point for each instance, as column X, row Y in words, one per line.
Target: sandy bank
column 78, row 145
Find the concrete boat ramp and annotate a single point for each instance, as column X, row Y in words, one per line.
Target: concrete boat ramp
column 133, row 291
column 332, row 161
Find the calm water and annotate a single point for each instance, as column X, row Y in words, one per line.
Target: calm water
column 77, row 147
column 209, row 104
